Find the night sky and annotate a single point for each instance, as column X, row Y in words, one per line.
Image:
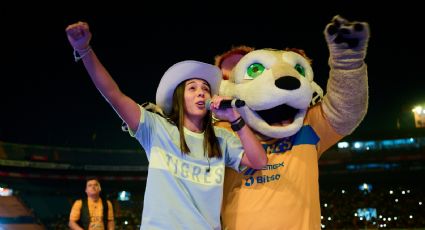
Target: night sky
column 48, row 99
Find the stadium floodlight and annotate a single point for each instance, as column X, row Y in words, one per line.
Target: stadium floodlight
column 124, row 196
column 419, row 114
column 6, row 191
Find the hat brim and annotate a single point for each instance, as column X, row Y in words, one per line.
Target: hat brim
column 180, row 72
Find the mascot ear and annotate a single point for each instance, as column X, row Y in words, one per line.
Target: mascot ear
column 317, row 94
column 229, row 59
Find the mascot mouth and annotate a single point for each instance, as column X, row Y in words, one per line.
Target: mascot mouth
column 278, row 114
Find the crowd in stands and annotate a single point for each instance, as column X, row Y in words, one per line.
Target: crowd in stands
column 390, row 207
column 342, row 207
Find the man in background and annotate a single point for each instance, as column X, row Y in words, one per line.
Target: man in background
column 92, row 212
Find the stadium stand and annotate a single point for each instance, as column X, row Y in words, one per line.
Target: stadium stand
column 368, row 181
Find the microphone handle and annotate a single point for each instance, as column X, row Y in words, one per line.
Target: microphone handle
column 235, row 103
column 225, row 104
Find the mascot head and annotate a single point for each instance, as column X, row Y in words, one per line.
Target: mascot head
column 276, row 85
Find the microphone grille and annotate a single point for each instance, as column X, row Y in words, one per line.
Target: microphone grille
column 239, row 103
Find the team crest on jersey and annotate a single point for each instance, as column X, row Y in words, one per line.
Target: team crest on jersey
column 280, row 146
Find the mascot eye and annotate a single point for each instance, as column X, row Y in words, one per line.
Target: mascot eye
column 300, row 69
column 255, row 70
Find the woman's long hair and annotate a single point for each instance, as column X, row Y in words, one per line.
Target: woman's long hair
column 177, row 116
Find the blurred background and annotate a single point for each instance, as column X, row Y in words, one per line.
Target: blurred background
column 56, row 129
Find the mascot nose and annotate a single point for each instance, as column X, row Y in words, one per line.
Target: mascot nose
column 288, row 83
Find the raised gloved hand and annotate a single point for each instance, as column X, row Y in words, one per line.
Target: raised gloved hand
column 347, row 42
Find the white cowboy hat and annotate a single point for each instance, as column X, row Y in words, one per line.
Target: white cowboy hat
column 180, row 72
